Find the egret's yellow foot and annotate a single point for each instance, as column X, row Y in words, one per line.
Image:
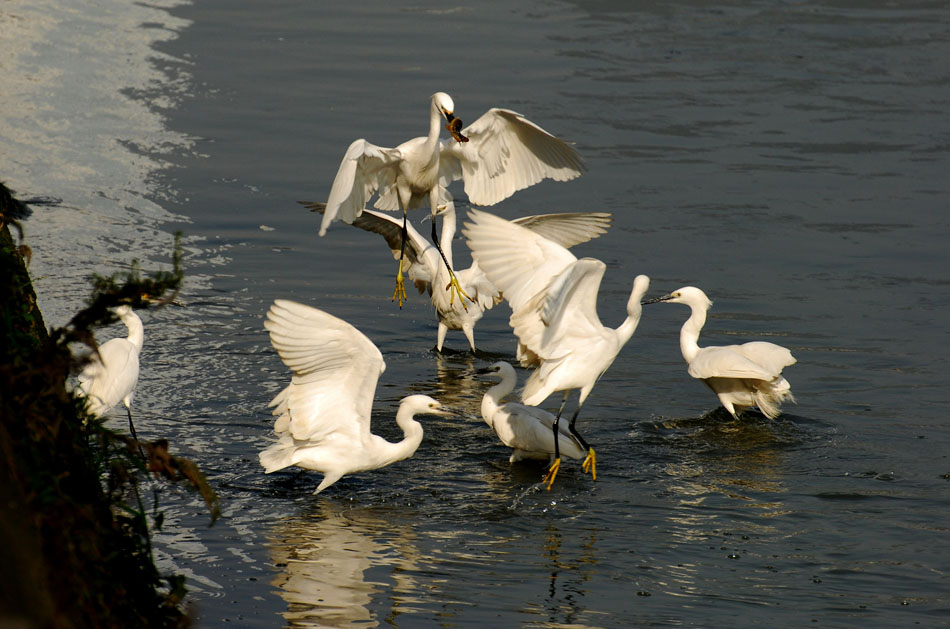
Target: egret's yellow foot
column 552, row 472
column 400, row 291
column 590, row 464
column 454, row 289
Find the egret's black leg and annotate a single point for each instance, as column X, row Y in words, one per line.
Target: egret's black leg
column 400, row 291
column 590, row 463
column 132, row 432
column 453, row 284
column 556, row 463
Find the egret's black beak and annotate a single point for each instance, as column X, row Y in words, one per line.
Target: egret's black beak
column 656, row 300
column 448, row 117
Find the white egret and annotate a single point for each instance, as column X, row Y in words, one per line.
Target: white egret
column 426, row 270
column 740, row 375
column 553, row 298
column 500, row 153
column 111, row 376
column 525, row 429
column 323, row 415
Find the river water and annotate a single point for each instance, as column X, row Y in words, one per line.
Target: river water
column 790, row 158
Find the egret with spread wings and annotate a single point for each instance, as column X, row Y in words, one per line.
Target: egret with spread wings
column 323, row 415
column 425, row 269
column 500, row 153
column 553, row 298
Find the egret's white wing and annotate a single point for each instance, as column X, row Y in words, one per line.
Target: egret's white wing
column 107, row 382
column 531, row 430
column 568, row 229
column 506, row 153
column 725, row 362
column 518, row 261
column 771, row 357
column 479, row 287
column 563, row 315
column 365, row 169
column 335, row 371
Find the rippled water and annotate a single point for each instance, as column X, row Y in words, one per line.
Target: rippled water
column 789, row 158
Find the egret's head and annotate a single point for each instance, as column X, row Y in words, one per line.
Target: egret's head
column 122, row 311
column 689, row 295
column 425, row 405
column 500, row 370
column 444, row 103
column 641, row 284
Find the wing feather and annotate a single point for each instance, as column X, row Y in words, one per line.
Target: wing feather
column 505, row 153
column 365, row 169
column 565, row 309
column 568, row 229
column 725, row 362
column 518, row 261
column 335, row 370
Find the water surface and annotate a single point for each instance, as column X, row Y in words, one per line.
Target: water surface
column 788, row 158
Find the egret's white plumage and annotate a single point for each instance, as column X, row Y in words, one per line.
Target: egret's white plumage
column 553, row 297
column 525, row 429
column 425, row 268
column 503, row 153
column 110, row 377
column 740, row 375
column 323, row 415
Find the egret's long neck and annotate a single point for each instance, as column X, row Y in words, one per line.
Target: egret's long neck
column 689, row 333
column 448, row 234
column 493, row 397
column 634, row 311
column 435, row 126
column 136, row 330
column 412, row 437
column 629, row 326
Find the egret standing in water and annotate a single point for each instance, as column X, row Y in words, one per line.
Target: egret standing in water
column 553, row 298
column 427, row 271
column 740, row 375
column 499, row 154
column 323, row 415
column 528, row 430
column 111, row 376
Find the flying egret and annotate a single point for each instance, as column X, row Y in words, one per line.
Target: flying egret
column 111, row 376
column 323, row 415
column 500, row 153
column 553, row 299
column 428, row 273
column 525, row 429
column 740, row 375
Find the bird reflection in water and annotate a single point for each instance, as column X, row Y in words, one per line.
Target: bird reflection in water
column 326, row 556
column 716, row 454
column 456, row 382
column 571, row 569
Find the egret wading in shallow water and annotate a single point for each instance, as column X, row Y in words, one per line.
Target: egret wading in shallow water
column 740, row 375
column 553, row 298
column 497, row 155
column 323, row 415
column 426, row 270
column 528, row 430
column 110, row 377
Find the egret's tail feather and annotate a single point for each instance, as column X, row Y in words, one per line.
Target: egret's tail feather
column 770, row 398
column 278, row 456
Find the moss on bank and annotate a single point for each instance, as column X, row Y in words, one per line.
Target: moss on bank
column 74, row 554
